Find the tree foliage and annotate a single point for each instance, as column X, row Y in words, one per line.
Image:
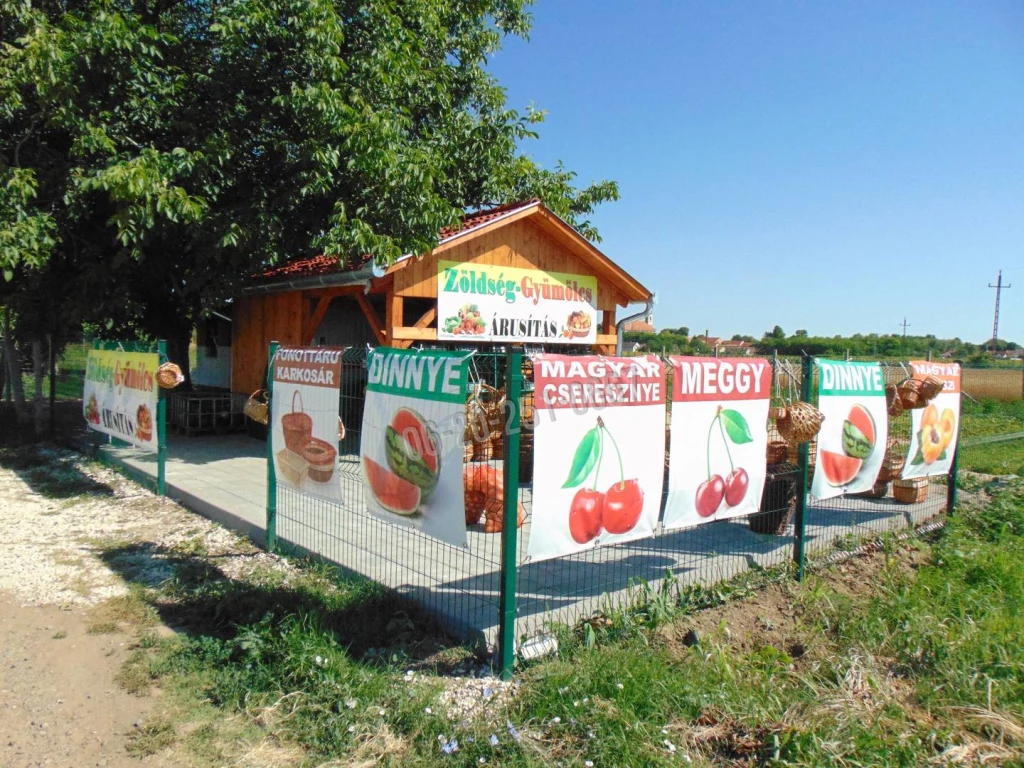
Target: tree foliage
column 153, row 153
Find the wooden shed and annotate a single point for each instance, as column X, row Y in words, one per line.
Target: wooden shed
column 514, row 274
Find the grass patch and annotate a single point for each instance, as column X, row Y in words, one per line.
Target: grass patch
column 990, row 417
column 150, row 739
column 61, row 635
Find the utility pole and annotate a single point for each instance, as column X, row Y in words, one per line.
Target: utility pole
column 905, row 324
column 999, row 290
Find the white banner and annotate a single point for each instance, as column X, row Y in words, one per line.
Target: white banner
column 599, row 451
column 936, row 427
column 305, row 432
column 120, row 395
column 853, row 437
column 719, row 439
column 411, row 448
column 483, row 302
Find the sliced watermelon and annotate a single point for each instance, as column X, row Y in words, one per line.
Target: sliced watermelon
column 839, row 469
column 392, row 492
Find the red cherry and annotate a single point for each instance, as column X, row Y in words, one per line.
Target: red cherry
column 585, row 515
column 736, row 485
column 709, row 496
column 622, row 506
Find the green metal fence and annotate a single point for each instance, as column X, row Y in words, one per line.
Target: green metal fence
column 492, row 593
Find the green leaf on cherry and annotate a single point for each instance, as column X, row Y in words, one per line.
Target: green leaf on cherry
column 919, row 456
column 585, row 459
column 736, row 427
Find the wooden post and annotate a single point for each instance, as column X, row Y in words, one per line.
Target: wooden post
column 395, row 311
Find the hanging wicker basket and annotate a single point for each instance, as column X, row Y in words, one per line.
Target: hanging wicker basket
column 169, row 376
column 893, row 404
column 297, row 425
column 911, row 394
column 931, row 386
column 256, row 406
column 801, row 423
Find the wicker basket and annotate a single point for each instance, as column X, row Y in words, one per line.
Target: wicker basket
column 321, row 456
column 777, row 451
column 169, row 376
column 878, row 490
column 911, row 394
column 892, row 463
column 893, row 404
column 291, row 466
column 801, row 423
column 297, row 425
column 256, row 406
column 931, row 386
column 912, row 491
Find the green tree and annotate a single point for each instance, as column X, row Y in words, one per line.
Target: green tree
column 153, row 155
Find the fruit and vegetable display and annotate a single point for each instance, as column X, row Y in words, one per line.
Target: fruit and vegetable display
column 731, row 489
column 92, row 411
column 858, row 441
column 411, row 446
column 616, row 509
column 144, row 423
column 935, row 435
column 577, row 325
column 469, row 322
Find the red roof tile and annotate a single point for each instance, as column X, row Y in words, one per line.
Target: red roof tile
column 322, row 265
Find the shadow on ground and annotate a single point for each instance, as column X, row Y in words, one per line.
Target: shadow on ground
column 50, row 475
column 193, row 595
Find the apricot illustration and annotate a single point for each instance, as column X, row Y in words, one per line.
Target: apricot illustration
column 929, row 417
column 947, row 426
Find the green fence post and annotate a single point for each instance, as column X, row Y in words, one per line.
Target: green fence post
column 161, row 428
column 271, row 473
column 954, row 471
column 799, row 525
column 510, row 529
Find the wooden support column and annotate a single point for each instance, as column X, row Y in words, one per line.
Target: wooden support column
column 394, row 318
column 371, row 318
column 608, row 320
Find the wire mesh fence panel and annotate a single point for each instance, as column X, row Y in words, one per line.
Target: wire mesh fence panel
column 462, row 585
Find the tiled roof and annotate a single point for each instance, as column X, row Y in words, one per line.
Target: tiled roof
column 322, row 265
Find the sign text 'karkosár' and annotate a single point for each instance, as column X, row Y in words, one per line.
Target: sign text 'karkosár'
column 482, row 302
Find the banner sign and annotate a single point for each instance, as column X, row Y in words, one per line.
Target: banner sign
column 482, row 302
column 935, row 428
column 120, row 395
column 853, row 437
column 411, row 450
column 306, row 428
column 718, row 439
column 599, row 454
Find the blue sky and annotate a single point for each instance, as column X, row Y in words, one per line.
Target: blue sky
column 833, row 166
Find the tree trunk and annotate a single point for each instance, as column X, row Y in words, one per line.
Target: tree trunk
column 38, row 371
column 14, row 368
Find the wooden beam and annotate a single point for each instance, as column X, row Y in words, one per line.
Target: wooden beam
column 608, row 321
column 371, row 318
column 406, row 333
column 427, row 319
column 394, row 317
column 341, row 290
column 607, row 339
column 314, row 320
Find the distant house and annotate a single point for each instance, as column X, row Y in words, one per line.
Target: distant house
column 730, row 347
column 711, row 341
column 639, row 325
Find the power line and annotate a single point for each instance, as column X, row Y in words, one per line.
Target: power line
column 999, row 290
column 905, row 324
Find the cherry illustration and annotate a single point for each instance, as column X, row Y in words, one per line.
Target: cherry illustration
column 585, row 515
column 736, row 485
column 622, row 506
column 709, row 496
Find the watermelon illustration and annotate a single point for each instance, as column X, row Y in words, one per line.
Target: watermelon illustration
column 391, row 492
column 411, row 447
column 859, row 433
column 839, row 469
